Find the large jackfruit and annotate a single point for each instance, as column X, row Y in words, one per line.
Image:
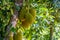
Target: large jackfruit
column 27, row 16
column 17, row 36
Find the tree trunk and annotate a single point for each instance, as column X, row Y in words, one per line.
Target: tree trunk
column 51, row 32
column 13, row 20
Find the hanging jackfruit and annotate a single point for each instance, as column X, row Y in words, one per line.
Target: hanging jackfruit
column 17, row 36
column 27, row 18
column 10, row 37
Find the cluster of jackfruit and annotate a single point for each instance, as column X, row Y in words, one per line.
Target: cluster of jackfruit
column 27, row 16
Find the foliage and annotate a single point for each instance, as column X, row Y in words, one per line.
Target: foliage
column 47, row 12
column 6, row 11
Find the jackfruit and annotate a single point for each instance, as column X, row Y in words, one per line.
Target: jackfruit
column 17, row 36
column 10, row 37
column 27, row 16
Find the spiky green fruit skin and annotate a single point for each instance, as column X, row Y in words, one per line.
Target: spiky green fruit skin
column 27, row 18
column 17, row 36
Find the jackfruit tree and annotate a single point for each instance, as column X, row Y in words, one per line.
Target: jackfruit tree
column 29, row 19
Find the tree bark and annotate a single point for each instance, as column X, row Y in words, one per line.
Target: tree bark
column 51, row 32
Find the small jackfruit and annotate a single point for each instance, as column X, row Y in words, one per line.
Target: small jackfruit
column 10, row 37
column 17, row 36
